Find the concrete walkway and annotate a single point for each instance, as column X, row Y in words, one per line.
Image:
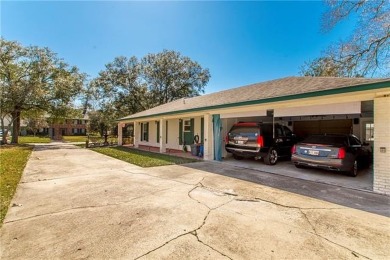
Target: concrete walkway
column 74, row 203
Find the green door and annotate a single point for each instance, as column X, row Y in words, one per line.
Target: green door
column 188, row 131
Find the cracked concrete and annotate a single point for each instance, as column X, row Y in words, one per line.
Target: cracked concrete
column 75, row 203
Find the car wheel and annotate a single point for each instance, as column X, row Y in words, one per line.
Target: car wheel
column 365, row 163
column 237, row 157
column 272, row 157
column 354, row 169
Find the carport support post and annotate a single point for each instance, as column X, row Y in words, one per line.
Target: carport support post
column 162, row 136
column 208, row 138
column 136, row 134
column 382, row 145
column 120, row 128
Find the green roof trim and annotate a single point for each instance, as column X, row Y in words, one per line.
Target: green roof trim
column 348, row 89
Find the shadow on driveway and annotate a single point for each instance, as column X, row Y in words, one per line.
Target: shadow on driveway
column 358, row 199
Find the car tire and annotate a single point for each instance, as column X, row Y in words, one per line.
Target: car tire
column 365, row 162
column 272, row 157
column 354, row 170
column 237, row 157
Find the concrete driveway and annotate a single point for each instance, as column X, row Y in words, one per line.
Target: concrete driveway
column 364, row 180
column 74, row 203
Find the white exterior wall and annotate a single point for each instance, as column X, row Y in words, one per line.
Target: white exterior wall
column 197, row 127
column 162, row 136
column 382, row 145
column 173, row 134
column 208, row 138
column 153, row 134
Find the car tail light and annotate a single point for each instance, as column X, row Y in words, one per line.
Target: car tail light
column 341, row 154
column 227, row 139
column 260, row 141
column 294, row 149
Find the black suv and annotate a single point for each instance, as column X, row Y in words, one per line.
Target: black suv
column 247, row 139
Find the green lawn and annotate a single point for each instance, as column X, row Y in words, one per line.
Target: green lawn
column 74, row 138
column 13, row 160
column 33, row 139
column 141, row 158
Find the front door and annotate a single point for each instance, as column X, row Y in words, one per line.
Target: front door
column 188, row 131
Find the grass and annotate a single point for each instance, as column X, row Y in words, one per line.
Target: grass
column 141, row 158
column 33, row 139
column 83, row 138
column 74, row 138
column 13, row 160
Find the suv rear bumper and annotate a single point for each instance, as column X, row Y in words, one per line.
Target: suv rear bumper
column 246, row 152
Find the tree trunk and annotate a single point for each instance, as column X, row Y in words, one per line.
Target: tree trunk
column 4, row 137
column 16, row 126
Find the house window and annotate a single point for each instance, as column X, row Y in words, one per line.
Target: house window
column 369, row 132
column 145, row 132
column 187, row 126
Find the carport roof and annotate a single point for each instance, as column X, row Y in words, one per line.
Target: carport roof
column 270, row 91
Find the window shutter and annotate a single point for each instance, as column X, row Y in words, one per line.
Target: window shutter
column 180, row 132
column 158, row 132
column 166, row 132
column 142, row 131
column 147, row 132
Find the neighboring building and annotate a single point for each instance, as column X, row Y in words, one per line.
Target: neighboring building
column 306, row 104
column 67, row 127
column 55, row 130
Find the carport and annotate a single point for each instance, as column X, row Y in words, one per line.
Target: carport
column 342, row 118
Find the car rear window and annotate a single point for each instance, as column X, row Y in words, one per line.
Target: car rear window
column 244, row 131
column 326, row 139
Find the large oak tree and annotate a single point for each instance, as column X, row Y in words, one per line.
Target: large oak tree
column 34, row 78
column 170, row 76
column 129, row 85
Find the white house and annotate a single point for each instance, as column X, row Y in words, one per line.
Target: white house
column 306, row 104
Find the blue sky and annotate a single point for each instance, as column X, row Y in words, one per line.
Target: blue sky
column 240, row 42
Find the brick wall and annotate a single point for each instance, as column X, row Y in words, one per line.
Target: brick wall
column 382, row 145
column 68, row 127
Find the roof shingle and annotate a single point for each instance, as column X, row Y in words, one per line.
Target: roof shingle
column 264, row 90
